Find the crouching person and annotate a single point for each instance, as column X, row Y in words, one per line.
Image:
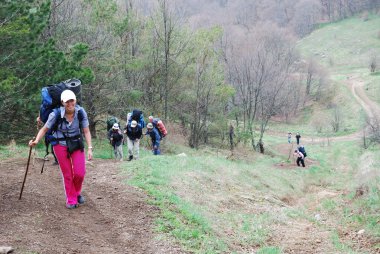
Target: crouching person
column 155, row 137
column 134, row 133
column 300, row 158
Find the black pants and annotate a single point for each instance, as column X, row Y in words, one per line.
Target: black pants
column 299, row 159
column 298, row 141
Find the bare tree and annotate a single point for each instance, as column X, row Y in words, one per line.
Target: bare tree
column 170, row 45
column 336, row 119
column 307, row 14
column 374, row 130
column 260, row 71
column 373, row 63
column 317, row 79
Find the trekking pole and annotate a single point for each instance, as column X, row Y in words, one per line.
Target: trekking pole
column 26, row 171
column 43, row 163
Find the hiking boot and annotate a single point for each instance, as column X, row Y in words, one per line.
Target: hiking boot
column 80, row 199
column 71, row 206
column 130, row 157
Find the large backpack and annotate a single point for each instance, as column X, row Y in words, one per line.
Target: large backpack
column 111, row 121
column 51, row 96
column 302, row 150
column 138, row 116
column 159, row 125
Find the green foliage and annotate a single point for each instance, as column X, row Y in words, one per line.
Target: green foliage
column 179, row 218
column 28, row 61
column 102, row 11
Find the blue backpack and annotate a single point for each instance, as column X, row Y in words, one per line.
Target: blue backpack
column 138, row 116
column 51, row 96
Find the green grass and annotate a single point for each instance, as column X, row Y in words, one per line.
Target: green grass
column 269, row 250
column 197, row 196
column 349, row 43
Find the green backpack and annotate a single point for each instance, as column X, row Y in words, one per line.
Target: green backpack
column 111, row 121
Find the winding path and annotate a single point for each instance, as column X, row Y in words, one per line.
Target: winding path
column 371, row 108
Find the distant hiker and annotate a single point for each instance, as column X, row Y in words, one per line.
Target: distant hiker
column 68, row 145
column 298, row 137
column 302, row 150
column 111, row 121
column 134, row 134
column 289, row 137
column 116, row 140
column 159, row 125
column 231, row 137
column 155, row 137
column 300, row 158
column 136, row 115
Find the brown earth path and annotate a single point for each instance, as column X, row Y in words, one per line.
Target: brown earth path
column 301, row 235
column 115, row 218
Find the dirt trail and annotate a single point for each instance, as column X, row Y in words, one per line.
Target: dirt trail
column 371, row 108
column 115, row 218
column 302, row 236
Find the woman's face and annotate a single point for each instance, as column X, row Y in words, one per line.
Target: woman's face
column 70, row 105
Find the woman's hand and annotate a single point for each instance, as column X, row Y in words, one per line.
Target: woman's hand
column 33, row 143
column 89, row 154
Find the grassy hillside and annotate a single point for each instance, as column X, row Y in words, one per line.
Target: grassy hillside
column 345, row 49
column 260, row 203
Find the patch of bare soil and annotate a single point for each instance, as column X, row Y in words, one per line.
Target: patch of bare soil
column 302, row 237
column 115, row 218
column 287, row 151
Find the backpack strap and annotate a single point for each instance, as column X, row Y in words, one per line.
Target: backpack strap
column 59, row 119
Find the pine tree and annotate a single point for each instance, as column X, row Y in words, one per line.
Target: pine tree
column 28, row 62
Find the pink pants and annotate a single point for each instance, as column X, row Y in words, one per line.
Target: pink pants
column 73, row 170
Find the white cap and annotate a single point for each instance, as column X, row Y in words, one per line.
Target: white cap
column 149, row 126
column 133, row 124
column 115, row 126
column 68, row 95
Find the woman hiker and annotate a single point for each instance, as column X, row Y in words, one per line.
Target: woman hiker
column 68, row 145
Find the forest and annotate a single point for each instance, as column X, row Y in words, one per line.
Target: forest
column 195, row 63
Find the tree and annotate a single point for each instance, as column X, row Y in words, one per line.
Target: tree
column 306, row 16
column 170, row 44
column 28, row 62
column 336, row 119
column 204, row 93
column 260, row 71
column 373, row 63
column 316, row 79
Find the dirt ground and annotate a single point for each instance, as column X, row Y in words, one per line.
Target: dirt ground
column 115, row 218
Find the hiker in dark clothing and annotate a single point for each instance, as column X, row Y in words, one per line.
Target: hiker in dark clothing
column 300, row 158
column 298, row 137
column 134, row 134
column 155, row 137
column 116, row 138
